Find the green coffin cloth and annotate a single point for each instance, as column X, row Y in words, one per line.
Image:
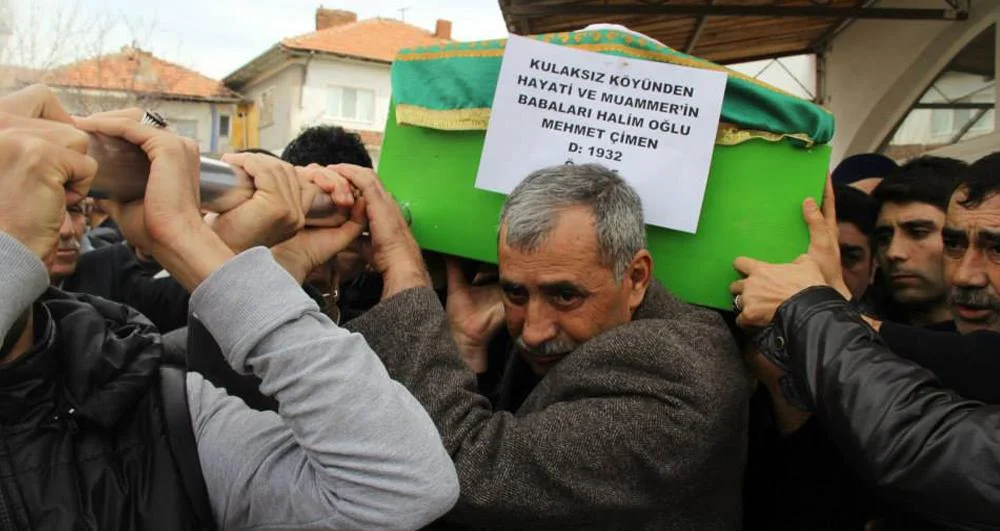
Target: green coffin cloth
column 769, row 156
column 452, row 86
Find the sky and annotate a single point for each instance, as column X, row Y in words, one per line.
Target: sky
column 215, row 37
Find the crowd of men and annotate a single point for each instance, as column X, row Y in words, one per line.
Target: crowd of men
column 167, row 368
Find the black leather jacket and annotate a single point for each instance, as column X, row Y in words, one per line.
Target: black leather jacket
column 923, row 447
column 90, row 425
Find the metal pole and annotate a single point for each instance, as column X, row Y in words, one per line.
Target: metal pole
column 123, row 170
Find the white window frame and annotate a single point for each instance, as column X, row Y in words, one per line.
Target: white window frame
column 340, row 115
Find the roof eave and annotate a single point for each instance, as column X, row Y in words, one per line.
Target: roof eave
column 335, row 54
column 239, row 98
column 240, row 77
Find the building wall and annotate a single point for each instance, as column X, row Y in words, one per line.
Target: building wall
column 200, row 114
column 326, row 73
column 190, row 118
column 301, row 89
column 285, row 84
column 876, row 69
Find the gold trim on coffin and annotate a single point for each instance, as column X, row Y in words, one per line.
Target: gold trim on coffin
column 478, row 119
column 629, row 51
column 450, row 120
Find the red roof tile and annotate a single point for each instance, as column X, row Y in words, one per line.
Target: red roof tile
column 377, row 39
column 138, row 71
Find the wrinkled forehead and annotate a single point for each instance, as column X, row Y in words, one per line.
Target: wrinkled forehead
column 549, row 264
column 568, row 253
column 971, row 218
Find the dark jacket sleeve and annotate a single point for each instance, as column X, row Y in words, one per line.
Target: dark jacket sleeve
column 163, row 300
column 610, row 426
column 925, row 447
column 967, row 364
column 112, row 272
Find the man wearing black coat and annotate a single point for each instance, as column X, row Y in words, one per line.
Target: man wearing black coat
column 925, row 448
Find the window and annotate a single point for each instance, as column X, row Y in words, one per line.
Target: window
column 224, row 125
column 188, row 128
column 957, row 106
column 350, row 104
column 942, row 122
column 266, row 103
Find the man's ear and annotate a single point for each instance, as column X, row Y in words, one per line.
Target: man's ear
column 638, row 275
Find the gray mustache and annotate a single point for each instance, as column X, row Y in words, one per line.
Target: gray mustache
column 549, row 348
column 69, row 245
column 974, row 298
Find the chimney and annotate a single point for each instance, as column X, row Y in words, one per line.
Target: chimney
column 442, row 29
column 328, row 18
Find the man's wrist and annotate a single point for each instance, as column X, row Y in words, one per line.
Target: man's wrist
column 192, row 258
column 398, row 279
column 290, row 262
column 475, row 357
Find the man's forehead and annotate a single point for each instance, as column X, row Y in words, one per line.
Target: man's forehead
column 900, row 213
column 985, row 215
column 849, row 233
column 545, row 264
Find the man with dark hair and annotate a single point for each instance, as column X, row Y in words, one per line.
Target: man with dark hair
column 345, row 289
column 907, row 240
column 907, row 426
column 856, row 215
column 325, row 145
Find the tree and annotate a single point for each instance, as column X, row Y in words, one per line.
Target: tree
column 47, row 41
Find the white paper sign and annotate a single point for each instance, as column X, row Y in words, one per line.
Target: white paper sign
column 653, row 123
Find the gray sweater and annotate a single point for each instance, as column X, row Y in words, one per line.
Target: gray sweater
column 349, row 449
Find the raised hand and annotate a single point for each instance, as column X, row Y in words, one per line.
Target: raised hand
column 475, row 314
column 274, row 212
column 312, row 247
column 824, row 246
column 43, row 167
column 167, row 223
column 768, row 286
column 395, row 253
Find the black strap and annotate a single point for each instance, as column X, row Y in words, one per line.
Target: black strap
column 180, row 433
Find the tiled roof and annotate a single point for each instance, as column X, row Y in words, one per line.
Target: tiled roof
column 376, row 39
column 134, row 70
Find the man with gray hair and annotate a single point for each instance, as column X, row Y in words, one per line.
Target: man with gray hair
column 620, row 407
